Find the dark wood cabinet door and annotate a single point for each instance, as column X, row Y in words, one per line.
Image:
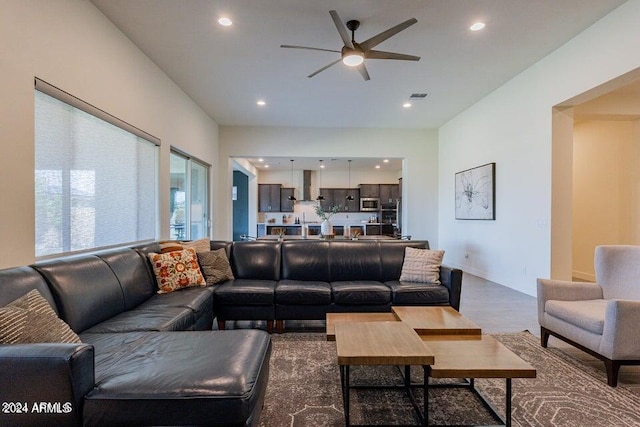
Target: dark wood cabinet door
column 340, row 198
column 389, row 193
column 369, row 190
column 269, row 197
column 353, row 205
column 286, row 205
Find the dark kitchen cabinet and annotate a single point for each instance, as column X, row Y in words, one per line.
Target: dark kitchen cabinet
column 370, row 190
column 338, row 197
column 389, row 193
column 269, row 197
column 286, row 205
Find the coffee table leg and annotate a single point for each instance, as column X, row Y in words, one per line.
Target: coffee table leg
column 507, row 413
column 426, row 372
column 407, row 375
column 346, row 395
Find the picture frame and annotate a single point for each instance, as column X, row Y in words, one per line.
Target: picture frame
column 475, row 190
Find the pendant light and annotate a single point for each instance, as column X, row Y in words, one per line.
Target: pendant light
column 292, row 197
column 320, row 196
column 349, row 196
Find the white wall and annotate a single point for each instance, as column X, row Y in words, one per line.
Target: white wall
column 419, row 148
column 513, row 127
column 71, row 45
column 605, row 172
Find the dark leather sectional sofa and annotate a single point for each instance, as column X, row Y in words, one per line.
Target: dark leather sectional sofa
column 150, row 359
column 146, row 359
column 305, row 279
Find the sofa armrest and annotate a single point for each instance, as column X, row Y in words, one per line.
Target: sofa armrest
column 45, row 384
column 620, row 334
column 451, row 278
column 564, row 290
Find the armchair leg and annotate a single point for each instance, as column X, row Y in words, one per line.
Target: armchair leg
column 544, row 337
column 612, row 367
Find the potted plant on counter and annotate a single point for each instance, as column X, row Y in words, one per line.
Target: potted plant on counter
column 326, row 229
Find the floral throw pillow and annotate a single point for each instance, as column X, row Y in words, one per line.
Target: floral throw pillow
column 421, row 265
column 176, row 270
column 215, row 266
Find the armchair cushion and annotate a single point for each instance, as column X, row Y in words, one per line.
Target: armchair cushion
column 587, row 314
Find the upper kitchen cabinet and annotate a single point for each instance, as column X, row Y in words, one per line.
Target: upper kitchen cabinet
column 338, row 197
column 286, row 205
column 269, row 197
column 389, row 193
column 369, row 191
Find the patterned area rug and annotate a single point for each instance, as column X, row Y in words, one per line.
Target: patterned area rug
column 304, row 390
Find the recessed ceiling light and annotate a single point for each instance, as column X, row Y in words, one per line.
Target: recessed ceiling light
column 377, row 166
column 477, row 26
column 266, row 166
column 225, row 22
column 386, row 160
column 321, row 166
column 261, row 103
column 407, row 105
column 261, row 160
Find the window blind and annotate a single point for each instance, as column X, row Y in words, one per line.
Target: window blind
column 95, row 181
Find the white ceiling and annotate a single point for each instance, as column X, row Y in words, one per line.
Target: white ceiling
column 227, row 69
column 331, row 164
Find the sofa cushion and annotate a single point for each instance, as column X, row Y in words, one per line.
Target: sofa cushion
column 360, row 292
column 303, row 292
column 412, row 293
column 30, row 319
column 132, row 273
column 215, row 266
column 181, row 378
column 147, row 317
column 246, row 292
column 586, row 314
column 354, row 260
column 176, row 270
column 258, row 260
column 85, row 288
column 305, row 260
column 18, row 281
column 421, row 265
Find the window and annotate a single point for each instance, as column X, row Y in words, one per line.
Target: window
column 95, row 179
column 188, row 200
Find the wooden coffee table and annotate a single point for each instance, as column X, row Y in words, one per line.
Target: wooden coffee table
column 436, row 320
column 333, row 318
column 476, row 356
column 381, row 343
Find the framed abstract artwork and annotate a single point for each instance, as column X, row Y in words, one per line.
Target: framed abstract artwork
column 475, row 193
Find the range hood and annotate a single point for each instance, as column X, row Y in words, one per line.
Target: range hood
column 306, row 186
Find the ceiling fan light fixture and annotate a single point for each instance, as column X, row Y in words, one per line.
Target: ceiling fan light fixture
column 352, row 58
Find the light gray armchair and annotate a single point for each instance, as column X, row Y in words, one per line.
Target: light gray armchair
column 602, row 318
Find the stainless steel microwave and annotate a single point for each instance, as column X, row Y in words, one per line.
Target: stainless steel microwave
column 369, row 204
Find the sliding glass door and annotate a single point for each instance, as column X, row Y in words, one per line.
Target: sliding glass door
column 188, row 198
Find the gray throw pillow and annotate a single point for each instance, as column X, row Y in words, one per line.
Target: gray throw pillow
column 30, row 319
column 215, row 266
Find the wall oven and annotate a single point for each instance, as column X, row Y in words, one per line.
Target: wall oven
column 369, row 204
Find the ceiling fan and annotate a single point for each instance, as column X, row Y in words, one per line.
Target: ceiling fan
column 353, row 54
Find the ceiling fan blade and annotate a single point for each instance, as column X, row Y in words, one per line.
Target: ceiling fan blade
column 324, row 68
column 363, row 71
column 288, row 46
column 341, row 29
column 378, row 54
column 379, row 38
